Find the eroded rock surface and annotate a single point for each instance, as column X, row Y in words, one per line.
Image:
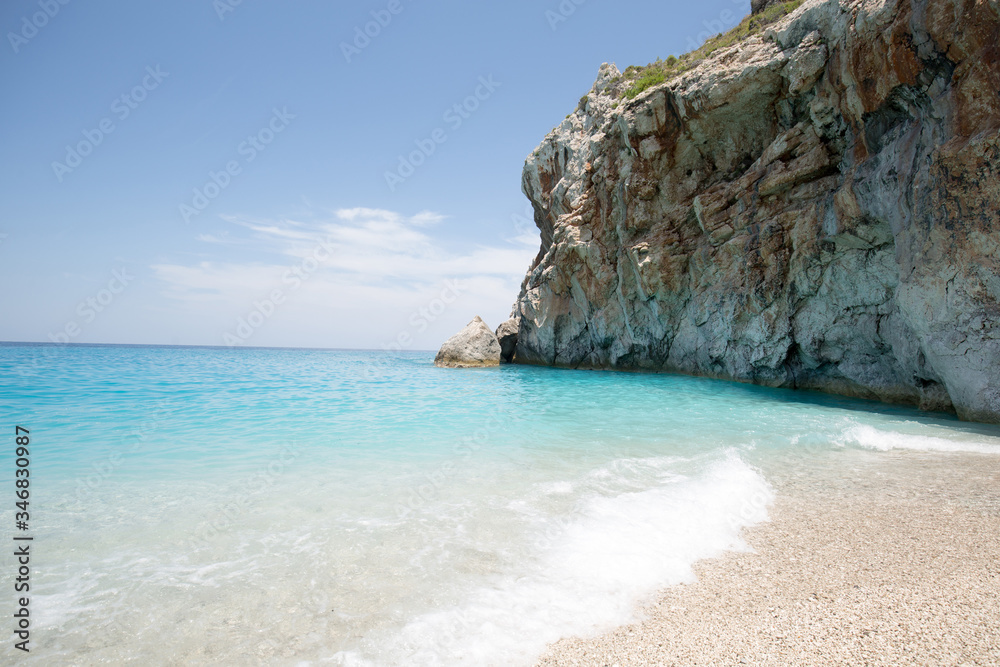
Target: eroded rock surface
column 816, row 207
column 475, row 345
column 507, row 336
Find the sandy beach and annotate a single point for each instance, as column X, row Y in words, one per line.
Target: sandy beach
column 869, row 559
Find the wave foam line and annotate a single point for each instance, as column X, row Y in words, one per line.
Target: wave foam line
column 615, row 555
column 873, row 438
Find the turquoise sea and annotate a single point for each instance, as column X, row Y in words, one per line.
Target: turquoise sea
column 317, row 507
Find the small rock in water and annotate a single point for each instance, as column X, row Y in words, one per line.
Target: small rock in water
column 475, row 345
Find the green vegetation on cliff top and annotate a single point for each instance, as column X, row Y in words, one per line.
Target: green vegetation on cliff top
column 641, row 78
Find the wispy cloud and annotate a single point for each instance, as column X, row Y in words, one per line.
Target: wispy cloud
column 370, row 247
column 380, row 263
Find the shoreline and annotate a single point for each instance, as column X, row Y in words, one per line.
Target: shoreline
column 875, row 558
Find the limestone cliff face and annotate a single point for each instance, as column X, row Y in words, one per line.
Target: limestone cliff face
column 815, row 207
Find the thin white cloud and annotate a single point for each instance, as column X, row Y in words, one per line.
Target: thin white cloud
column 367, row 246
column 426, row 218
column 370, row 270
column 351, row 214
column 214, row 238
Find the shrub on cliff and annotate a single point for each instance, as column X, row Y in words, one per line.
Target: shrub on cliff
column 642, row 78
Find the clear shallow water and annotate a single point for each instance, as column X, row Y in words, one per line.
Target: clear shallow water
column 330, row 507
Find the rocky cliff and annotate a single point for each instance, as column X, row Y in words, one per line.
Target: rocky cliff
column 816, row 205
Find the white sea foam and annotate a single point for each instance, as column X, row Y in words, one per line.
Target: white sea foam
column 942, row 441
column 65, row 603
column 589, row 573
column 558, row 488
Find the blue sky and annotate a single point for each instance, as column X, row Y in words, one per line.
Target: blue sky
column 212, row 172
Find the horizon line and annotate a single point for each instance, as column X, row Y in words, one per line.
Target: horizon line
column 208, row 347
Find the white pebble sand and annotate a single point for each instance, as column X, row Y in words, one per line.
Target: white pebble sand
column 889, row 559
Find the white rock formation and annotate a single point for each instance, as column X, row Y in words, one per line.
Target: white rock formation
column 475, row 345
